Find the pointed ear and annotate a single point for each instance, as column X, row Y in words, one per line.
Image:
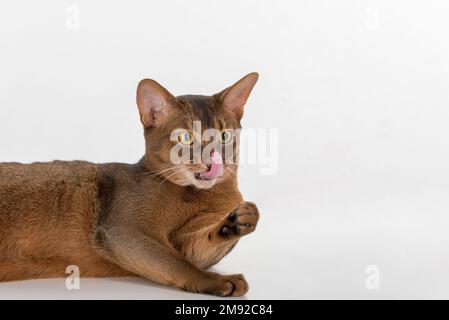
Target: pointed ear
column 154, row 102
column 235, row 97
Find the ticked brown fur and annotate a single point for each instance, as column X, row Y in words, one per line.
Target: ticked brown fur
column 125, row 219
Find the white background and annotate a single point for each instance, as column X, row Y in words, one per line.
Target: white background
column 357, row 89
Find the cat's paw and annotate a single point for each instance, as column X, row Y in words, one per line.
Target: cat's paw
column 241, row 221
column 229, row 286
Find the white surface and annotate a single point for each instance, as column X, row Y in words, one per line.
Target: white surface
column 357, row 89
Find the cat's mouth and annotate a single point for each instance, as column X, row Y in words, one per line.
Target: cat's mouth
column 199, row 176
column 215, row 169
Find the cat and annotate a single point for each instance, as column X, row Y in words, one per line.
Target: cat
column 166, row 222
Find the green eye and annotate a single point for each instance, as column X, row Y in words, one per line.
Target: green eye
column 226, row 136
column 186, row 138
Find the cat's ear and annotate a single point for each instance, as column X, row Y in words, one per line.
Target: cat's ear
column 154, row 102
column 235, row 97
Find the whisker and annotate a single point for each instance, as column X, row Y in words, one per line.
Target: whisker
column 230, row 171
column 164, row 166
column 159, row 171
column 172, row 174
column 231, row 164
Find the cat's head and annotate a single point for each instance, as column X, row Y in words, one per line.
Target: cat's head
column 192, row 139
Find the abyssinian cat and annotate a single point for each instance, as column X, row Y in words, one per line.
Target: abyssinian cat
column 163, row 221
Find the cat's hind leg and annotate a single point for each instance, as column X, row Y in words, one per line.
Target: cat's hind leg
column 26, row 269
column 43, row 268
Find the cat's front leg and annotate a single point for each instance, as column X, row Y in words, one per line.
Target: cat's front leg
column 158, row 261
column 208, row 237
column 240, row 222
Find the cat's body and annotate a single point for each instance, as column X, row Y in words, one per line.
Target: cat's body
column 48, row 214
column 58, row 212
column 120, row 220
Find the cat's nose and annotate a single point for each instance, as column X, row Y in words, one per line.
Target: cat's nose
column 215, row 169
column 208, row 161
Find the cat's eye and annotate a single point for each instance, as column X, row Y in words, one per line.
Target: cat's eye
column 226, row 136
column 186, row 138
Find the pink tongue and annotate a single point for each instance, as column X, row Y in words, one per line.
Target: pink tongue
column 216, row 168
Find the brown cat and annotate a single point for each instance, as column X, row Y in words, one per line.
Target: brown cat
column 162, row 221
